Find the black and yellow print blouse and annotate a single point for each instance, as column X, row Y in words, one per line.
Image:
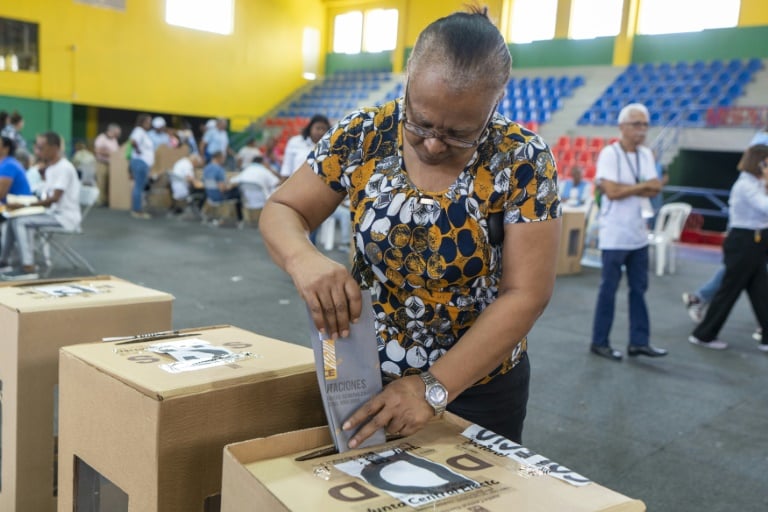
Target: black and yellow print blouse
column 428, row 260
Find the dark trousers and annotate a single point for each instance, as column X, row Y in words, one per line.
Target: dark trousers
column 501, row 404
column 744, row 258
column 636, row 263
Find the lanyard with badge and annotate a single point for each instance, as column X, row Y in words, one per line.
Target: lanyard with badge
column 645, row 206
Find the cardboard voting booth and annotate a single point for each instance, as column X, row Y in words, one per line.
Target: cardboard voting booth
column 121, row 185
column 143, row 423
column 571, row 242
column 450, row 465
column 37, row 319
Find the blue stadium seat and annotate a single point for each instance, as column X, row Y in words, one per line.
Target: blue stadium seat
column 695, row 118
column 716, row 65
column 754, row 65
column 699, row 66
column 734, row 65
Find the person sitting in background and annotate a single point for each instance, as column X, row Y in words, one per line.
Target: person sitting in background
column 257, row 182
column 217, row 189
column 85, row 163
column 61, row 197
column 184, row 183
column 13, row 179
column 247, row 153
column 575, row 191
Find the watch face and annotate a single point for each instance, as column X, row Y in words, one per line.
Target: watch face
column 437, row 395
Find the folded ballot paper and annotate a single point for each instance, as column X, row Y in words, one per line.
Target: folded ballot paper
column 24, row 200
column 348, row 373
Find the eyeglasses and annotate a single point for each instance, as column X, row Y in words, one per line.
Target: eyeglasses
column 428, row 133
column 638, row 124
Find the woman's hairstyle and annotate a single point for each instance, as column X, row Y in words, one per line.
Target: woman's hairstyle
column 751, row 159
column 317, row 118
column 8, row 142
column 16, row 118
column 469, row 47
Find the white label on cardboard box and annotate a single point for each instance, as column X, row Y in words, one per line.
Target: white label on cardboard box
column 413, row 480
column 194, row 354
column 65, row 290
column 502, row 446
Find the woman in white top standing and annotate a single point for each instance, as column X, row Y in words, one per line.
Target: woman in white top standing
column 744, row 252
column 300, row 145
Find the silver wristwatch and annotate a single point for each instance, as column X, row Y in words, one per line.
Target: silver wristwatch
column 435, row 394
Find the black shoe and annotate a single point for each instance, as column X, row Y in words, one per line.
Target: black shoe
column 606, row 352
column 645, row 350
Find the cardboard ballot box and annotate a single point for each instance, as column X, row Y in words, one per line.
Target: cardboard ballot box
column 36, row 319
column 143, row 425
column 571, row 242
column 450, row 465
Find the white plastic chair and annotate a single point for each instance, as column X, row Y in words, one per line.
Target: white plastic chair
column 666, row 233
column 57, row 237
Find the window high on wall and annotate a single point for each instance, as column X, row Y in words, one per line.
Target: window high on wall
column 595, row 18
column 215, row 16
column 380, row 30
column 374, row 31
column 667, row 17
column 532, row 20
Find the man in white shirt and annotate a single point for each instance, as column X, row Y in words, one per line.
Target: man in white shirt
column 627, row 178
column 183, row 180
column 256, row 182
column 60, row 197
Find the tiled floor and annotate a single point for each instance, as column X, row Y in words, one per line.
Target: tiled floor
column 688, row 432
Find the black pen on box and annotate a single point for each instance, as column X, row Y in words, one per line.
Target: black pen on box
column 150, row 336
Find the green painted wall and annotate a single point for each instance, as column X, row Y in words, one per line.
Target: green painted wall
column 380, row 61
column 41, row 116
column 724, row 43
column 563, row 52
column 557, row 53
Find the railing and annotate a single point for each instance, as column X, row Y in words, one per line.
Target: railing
column 717, row 198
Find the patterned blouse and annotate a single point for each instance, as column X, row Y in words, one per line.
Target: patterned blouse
column 428, row 260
